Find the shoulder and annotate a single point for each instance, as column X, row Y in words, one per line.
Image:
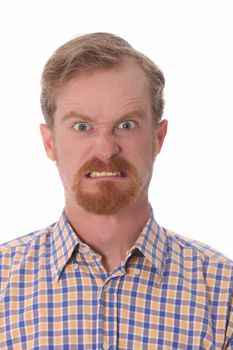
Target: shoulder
column 16, row 251
column 25, row 241
column 192, row 250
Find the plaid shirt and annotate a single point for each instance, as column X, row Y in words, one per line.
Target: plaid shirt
column 168, row 293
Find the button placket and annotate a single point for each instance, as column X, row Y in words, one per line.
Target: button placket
column 109, row 323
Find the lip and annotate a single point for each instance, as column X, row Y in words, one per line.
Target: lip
column 107, row 178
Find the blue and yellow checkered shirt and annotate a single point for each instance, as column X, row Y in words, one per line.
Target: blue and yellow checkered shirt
column 168, row 293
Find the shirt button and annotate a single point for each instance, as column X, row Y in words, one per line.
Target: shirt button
column 76, row 266
column 106, row 288
column 85, row 249
column 137, row 272
column 106, row 346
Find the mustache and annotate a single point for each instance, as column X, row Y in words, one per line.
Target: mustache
column 115, row 164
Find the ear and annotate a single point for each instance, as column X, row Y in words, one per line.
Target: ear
column 161, row 132
column 48, row 141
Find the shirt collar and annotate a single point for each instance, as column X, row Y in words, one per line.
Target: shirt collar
column 64, row 242
column 152, row 243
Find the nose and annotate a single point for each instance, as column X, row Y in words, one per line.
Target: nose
column 106, row 146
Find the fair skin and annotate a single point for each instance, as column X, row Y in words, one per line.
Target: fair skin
column 101, row 114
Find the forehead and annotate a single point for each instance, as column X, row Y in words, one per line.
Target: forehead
column 103, row 91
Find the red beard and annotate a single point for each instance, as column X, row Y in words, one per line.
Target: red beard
column 111, row 196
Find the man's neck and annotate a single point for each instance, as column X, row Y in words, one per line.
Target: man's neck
column 110, row 236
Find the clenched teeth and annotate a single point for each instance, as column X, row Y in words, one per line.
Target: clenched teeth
column 104, row 174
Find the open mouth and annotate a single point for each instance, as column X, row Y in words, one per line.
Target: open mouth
column 109, row 174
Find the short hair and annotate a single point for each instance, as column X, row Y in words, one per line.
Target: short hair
column 91, row 52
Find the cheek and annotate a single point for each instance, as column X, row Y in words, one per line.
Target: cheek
column 144, row 158
column 148, row 148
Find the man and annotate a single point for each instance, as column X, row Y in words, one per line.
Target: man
column 106, row 275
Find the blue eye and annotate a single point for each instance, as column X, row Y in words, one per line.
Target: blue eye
column 81, row 127
column 127, row 124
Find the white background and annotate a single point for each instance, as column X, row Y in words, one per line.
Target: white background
column 191, row 41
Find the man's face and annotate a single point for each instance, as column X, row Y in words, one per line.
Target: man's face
column 104, row 139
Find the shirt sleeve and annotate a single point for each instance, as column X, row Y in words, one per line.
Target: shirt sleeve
column 229, row 330
column 5, row 267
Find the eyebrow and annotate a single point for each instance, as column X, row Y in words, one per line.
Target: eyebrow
column 73, row 114
column 83, row 117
